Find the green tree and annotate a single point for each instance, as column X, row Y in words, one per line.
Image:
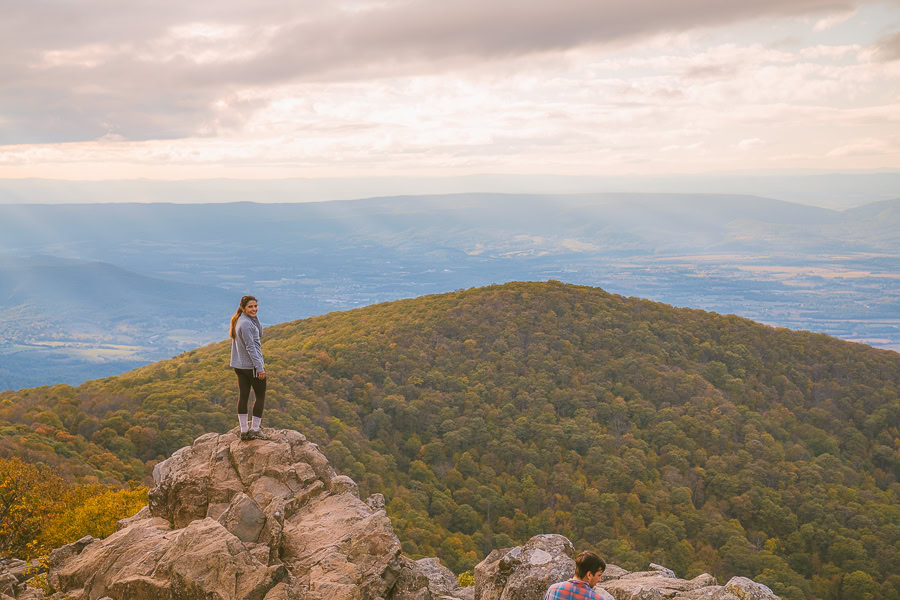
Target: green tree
column 859, row 585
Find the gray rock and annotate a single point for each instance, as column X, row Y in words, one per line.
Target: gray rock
column 427, row 579
column 411, row 583
column 344, row 485
column 64, row 553
column 712, row 592
column 613, row 572
column 231, row 520
column 704, row 580
column 340, row 546
column 525, row 572
column 273, row 530
column 441, row 580
column 142, row 514
column 8, row 584
column 644, row 587
column 375, row 502
column 657, row 584
column 467, row 593
column 662, row 570
column 14, row 573
column 17, row 569
column 746, row 589
column 243, row 518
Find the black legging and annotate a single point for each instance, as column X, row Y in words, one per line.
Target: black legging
column 246, row 380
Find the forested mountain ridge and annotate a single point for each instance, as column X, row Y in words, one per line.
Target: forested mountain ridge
column 776, row 262
column 485, row 416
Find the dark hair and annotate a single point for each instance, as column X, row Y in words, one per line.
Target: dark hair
column 240, row 310
column 588, row 562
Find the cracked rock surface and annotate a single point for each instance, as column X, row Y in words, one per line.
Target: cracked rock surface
column 525, row 573
column 271, row 520
column 232, row 520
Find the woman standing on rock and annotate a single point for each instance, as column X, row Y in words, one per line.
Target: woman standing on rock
column 247, row 362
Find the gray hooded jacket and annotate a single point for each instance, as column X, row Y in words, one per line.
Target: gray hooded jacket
column 246, row 349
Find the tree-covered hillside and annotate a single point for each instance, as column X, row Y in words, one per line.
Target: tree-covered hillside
column 485, row 416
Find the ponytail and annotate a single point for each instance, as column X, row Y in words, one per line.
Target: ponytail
column 239, row 312
column 234, row 319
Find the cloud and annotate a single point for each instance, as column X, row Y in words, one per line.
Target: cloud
column 413, row 88
column 146, row 70
column 888, row 48
column 750, row 143
column 680, row 148
column 823, row 51
column 865, row 147
column 834, row 20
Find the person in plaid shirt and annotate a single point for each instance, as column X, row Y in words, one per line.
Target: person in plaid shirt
column 588, row 569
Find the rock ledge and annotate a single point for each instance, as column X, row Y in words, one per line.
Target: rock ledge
column 271, row 520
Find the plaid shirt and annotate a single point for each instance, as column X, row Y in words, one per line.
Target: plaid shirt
column 573, row 589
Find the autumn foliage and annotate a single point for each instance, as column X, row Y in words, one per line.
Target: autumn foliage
column 39, row 511
column 700, row 441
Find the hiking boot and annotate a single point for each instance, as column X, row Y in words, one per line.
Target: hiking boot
column 256, row 434
column 245, row 436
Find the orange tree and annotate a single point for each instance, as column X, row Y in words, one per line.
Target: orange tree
column 40, row 511
column 29, row 497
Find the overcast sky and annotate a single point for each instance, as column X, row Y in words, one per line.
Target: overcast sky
column 105, row 89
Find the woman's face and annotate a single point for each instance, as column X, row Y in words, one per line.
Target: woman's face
column 251, row 308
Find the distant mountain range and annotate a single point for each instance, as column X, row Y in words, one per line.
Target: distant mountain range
column 658, row 221
column 66, row 317
column 837, row 191
column 110, row 293
column 773, row 261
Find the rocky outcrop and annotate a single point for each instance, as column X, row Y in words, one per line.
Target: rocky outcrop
column 644, row 586
column 258, row 520
column 654, row 585
column 427, row 579
column 271, row 520
column 746, row 589
column 525, row 572
column 13, row 573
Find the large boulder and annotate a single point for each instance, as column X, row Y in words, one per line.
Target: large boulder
column 660, row 583
column 156, row 562
column 14, row 572
column 654, row 585
column 441, row 580
column 426, row 579
column 713, row 592
column 525, row 572
column 232, row 520
column 15, row 579
column 745, row 589
column 411, row 583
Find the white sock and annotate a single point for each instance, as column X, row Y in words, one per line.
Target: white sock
column 256, row 422
column 242, row 419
